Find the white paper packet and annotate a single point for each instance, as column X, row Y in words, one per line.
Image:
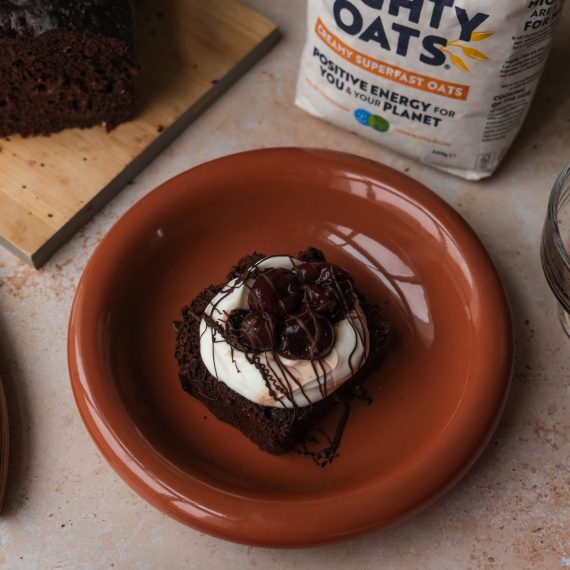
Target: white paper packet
column 448, row 82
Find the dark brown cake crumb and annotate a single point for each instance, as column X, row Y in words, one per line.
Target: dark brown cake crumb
column 65, row 64
column 274, row 429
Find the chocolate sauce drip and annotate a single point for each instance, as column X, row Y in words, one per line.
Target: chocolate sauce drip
column 326, row 455
column 272, row 382
column 359, row 392
column 329, row 453
column 286, row 373
column 322, row 385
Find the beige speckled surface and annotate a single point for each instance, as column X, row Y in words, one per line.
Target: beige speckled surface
column 66, row 508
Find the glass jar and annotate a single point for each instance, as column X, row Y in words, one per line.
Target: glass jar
column 555, row 246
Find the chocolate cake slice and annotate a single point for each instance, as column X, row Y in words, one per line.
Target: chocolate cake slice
column 65, row 63
column 275, row 429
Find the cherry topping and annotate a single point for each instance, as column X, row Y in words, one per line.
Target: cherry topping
column 331, row 273
column 328, row 289
column 324, row 300
column 292, row 312
column 276, row 291
column 306, row 336
column 309, row 272
column 320, row 272
column 258, row 331
column 235, row 319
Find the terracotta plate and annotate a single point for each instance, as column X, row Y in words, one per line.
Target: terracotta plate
column 436, row 399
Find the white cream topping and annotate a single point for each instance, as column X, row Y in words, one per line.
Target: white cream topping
column 307, row 382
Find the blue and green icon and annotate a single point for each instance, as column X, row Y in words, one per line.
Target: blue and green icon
column 367, row 119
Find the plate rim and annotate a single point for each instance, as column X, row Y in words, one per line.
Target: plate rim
column 195, row 513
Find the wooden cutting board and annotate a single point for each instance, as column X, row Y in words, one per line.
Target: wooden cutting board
column 191, row 51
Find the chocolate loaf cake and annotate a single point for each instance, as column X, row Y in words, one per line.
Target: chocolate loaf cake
column 65, row 63
column 275, row 428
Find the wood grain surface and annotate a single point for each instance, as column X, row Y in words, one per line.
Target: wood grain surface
column 190, row 52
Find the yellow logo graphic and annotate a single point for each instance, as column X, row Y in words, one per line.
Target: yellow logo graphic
column 468, row 51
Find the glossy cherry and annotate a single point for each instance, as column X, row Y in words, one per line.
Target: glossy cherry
column 277, row 291
column 321, row 272
column 235, row 319
column 325, row 301
column 258, row 331
column 306, row 336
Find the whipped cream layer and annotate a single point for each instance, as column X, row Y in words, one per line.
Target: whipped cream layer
column 305, row 381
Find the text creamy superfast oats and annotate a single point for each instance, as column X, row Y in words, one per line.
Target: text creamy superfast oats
column 446, row 81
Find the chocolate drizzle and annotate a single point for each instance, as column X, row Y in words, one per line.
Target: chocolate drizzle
column 310, row 325
column 314, row 332
column 327, row 454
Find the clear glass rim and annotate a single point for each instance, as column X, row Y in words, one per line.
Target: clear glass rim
column 552, row 216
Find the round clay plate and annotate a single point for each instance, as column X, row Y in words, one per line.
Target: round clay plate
column 435, row 399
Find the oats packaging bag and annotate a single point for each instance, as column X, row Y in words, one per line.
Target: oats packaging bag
column 448, row 82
